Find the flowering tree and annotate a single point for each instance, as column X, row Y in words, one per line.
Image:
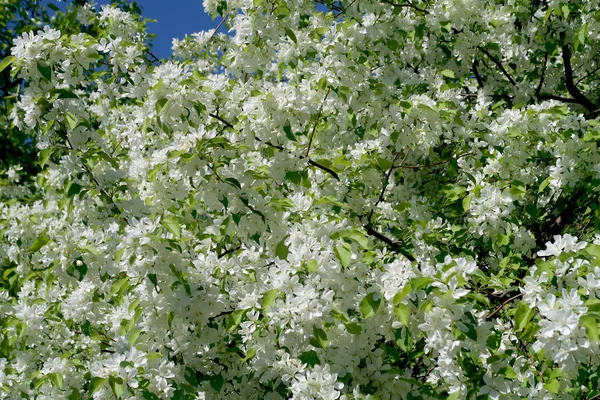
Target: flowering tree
column 385, row 199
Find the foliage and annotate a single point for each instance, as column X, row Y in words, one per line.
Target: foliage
column 376, row 200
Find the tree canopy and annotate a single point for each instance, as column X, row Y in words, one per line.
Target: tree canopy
column 336, row 200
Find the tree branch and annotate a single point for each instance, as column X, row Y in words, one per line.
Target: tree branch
column 476, row 73
column 498, row 64
column 216, row 116
column 501, row 306
column 543, row 74
column 312, row 134
column 395, row 246
column 544, row 96
column 571, row 88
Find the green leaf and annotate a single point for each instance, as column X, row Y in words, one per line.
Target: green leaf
column 311, row 358
column 118, row 284
column 117, row 385
column 46, row 71
column 56, row 379
column 544, row 184
column 171, row 224
column 294, row 177
column 282, row 250
column 402, row 294
column 235, row 319
column 353, row 234
column 233, row 182
column 370, row 304
column 507, row 372
column 354, row 328
column 402, row 312
column 291, row 35
column 518, row 189
column 466, row 202
column 119, row 255
column 384, row 163
column 420, row 282
column 523, row 315
column 268, row 298
column 343, row 252
column 249, row 354
column 133, row 336
column 454, row 395
column 593, row 250
column 217, row 382
column 160, row 105
column 312, row 266
column 320, row 338
column 95, row 384
column 590, row 323
column 66, row 94
column 552, row 386
column 6, row 61
column 74, row 189
column 40, row 242
column 287, row 129
column 44, row 156
column 447, row 73
column 72, row 121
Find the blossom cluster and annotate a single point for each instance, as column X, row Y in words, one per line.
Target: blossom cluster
column 381, row 199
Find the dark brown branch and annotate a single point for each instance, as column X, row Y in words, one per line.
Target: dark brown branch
column 223, row 254
column 476, row 73
column 386, row 184
column 499, row 65
column 215, row 116
column 310, row 161
column 543, row 74
column 571, row 88
column 324, row 168
column 395, row 246
column 545, row 96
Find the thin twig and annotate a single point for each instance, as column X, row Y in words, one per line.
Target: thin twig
column 501, row 306
column 531, row 360
column 217, row 28
column 386, row 184
column 153, row 55
column 407, row 4
column 312, row 134
column 102, row 191
column 310, row 161
column 587, row 75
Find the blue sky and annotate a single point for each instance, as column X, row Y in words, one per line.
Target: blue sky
column 175, row 19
